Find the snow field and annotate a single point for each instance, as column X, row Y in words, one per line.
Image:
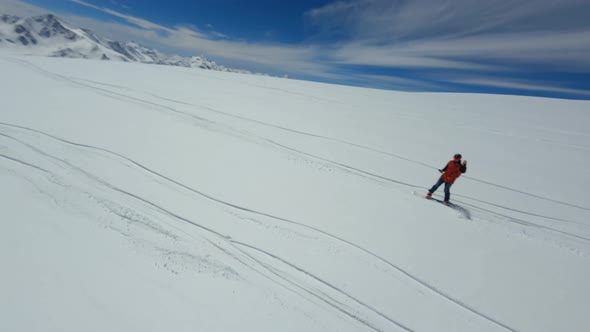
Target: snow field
column 149, row 198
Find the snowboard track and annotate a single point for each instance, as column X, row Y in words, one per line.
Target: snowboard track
column 113, row 94
column 396, row 268
column 225, row 239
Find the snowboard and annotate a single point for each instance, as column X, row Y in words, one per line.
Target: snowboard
column 463, row 212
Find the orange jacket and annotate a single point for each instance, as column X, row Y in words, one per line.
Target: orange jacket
column 452, row 171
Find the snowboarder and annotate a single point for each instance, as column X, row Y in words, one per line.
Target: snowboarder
column 449, row 174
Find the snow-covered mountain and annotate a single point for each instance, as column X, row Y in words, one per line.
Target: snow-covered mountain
column 48, row 35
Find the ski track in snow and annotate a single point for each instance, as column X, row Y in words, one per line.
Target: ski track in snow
column 482, row 213
column 76, row 81
column 342, row 142
column 392, row 267
column 97, row 181
column 281, row 271
column 354, row 170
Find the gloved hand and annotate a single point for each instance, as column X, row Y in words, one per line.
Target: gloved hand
column 440, row 170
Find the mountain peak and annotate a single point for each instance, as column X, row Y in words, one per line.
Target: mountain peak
column 10, row 19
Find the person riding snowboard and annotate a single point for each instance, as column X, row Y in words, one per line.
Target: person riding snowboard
column 450, row 173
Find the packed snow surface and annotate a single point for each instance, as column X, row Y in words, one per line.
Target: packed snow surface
column 152, row 198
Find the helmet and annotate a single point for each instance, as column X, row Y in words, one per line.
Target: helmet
column 458, row 155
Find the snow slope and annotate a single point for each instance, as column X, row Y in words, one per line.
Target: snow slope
column 151, row 198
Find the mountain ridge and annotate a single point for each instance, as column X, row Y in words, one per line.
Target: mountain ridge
column 49, row 35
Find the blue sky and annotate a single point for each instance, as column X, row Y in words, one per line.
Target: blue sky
column 531, row 47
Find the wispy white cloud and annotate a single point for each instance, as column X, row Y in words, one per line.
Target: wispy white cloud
column 400, row 83
column 399, row 20
column 122, row 5
column 408, row 56
column 520, row 86
column 564, row 51
column 21, row 8
column 455, row 34
column 145, row 24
